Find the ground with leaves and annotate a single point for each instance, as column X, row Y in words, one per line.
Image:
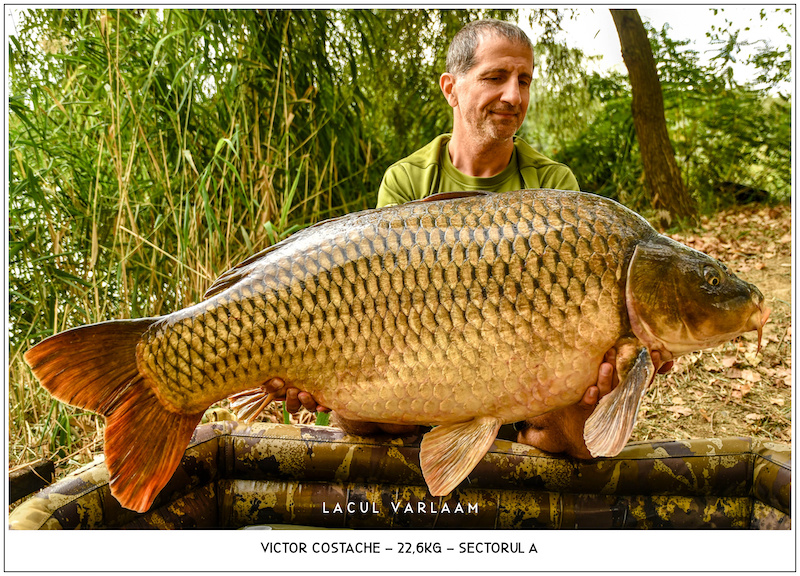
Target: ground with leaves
column 735, row 390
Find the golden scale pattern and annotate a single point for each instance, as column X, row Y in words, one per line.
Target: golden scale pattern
column 430, row 296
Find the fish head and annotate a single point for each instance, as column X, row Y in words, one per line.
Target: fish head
column 680, row 300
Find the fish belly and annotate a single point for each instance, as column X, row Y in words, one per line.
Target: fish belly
column 429, row 312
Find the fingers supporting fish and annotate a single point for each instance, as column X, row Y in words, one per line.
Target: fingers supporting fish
column 590, row 397
column 666, row 367
column 277, row 387
column 610, row 358
column 308, row 402
column 662, row 366
column 294, row 398
column 606, row 377
column 248, row 404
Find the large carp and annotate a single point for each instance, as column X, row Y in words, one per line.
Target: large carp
column 463, row 312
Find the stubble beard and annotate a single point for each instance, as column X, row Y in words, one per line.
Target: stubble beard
column 495, row 130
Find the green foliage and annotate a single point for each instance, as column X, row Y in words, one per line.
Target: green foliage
column 721, row 131
column 772, row 60
column 150, row 150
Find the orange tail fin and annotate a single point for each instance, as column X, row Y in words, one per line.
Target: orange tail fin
column 94, row 367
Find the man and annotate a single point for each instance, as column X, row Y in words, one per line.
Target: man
column 487, row 83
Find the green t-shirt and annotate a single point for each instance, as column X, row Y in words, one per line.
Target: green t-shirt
column 430, row 170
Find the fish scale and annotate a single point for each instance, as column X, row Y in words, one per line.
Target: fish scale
column 501, row 287
column 463, row 313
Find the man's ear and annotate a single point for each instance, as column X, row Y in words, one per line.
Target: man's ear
column 447, row 82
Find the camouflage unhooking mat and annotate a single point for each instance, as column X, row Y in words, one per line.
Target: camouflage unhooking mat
column 233, row 475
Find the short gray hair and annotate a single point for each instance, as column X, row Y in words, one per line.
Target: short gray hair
column 461, row 53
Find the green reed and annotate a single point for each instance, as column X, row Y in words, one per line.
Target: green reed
column 150, row 150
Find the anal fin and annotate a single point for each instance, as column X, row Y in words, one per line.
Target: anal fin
column 610, row 426
column 449, row 452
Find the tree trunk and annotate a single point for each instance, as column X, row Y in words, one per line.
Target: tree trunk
column 667, row 192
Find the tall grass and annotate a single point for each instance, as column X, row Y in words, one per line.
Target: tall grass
column 150, row 150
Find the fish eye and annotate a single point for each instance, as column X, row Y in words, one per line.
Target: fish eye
column 712, row 276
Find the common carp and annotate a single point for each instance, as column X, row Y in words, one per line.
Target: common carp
column 461, row 311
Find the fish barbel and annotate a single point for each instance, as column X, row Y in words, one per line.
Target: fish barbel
column 464, row 312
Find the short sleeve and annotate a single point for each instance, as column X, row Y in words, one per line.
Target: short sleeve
column 558, row 177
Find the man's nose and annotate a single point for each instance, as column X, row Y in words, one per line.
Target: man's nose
column 511, row 92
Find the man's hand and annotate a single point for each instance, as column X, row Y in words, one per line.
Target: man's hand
column 293, row 397
column 561, row 431
column 655, row 355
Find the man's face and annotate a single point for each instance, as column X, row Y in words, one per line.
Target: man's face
column 490, row 100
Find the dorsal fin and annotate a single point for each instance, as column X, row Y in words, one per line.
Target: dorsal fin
column 454, row 195
column 233, row 275
column 238, row 272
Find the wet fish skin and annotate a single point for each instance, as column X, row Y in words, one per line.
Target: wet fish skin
column 446, row 304
column 465, row 313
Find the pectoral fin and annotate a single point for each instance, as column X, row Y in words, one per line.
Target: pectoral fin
column 247, row 405
column 608, row 428
column 448, row 453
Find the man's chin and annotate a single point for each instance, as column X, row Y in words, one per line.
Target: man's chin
column 505, row 128
column 504, row 134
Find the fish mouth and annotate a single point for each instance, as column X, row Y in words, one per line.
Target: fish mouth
column 755, row 321
column 758, row 320
column 690, row 338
